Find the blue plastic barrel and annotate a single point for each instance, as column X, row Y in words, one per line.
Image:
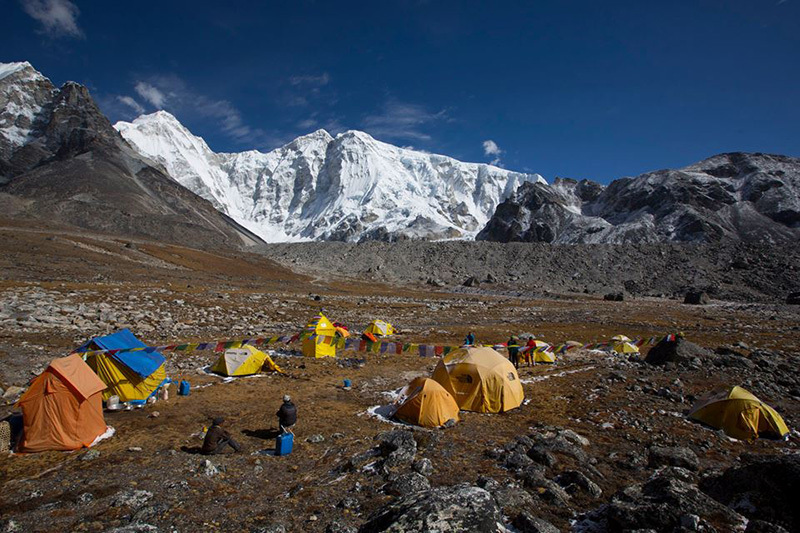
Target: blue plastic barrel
column 284, row 443
column 183, row 388
column 347, row 383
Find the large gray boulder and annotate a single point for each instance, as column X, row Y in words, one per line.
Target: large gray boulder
column 678, row 351
column 664, row 503
column 398, row 447
column 443, row 509
column 679, row 456
column 408, row 483
column 694, row 297
column 764, row 488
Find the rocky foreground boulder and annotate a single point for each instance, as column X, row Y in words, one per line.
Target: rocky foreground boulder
column 678, row 351
column 764, row 488
column 443, row 509
column 669, row 501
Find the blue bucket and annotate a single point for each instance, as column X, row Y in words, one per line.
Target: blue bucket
column 284, row 443
column 183, row 388
column 347, row 383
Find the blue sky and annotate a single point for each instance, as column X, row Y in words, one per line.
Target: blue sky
column 570, row 88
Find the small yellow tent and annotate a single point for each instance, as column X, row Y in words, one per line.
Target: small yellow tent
column 540, row 355
column 243, row 361
column 319, row 338
column 739, row 414
column 480, row 379
column 426, row 403
column 623, row 344
column 379, row 328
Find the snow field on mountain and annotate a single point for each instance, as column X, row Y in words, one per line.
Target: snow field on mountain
column 319, row 187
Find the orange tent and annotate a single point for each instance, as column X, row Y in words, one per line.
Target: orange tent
column 63, row 407
column 426, row 403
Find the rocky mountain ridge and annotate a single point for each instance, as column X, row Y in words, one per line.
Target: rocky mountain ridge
column 318, row 187
column 62, row 161
column 728, row 197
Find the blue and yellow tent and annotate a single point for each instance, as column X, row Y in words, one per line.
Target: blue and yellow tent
column 133, row 376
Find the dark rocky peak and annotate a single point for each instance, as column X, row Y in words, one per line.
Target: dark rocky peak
column 588, row 190
column 77, row 123
column 740, row 164
column 535, row 195
column 734, row 196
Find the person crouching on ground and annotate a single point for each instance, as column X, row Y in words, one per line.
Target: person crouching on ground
column 287, row 414
column 217, row 439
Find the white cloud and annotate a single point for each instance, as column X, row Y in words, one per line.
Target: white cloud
column 307, row 124
column 399, row 120
column 152, row 94
column 130, row 102
column 490, row 148
column 171, row 92
column 318, row 81
column 58, row 17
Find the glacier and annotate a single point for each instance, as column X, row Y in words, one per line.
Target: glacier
column 350, row 187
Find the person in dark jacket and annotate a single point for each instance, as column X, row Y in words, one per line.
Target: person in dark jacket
column 469, row 340
column 513, row 350
column 287, row 414
column 217, row 439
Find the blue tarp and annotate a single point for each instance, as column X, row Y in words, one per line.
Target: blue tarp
column 143, row 363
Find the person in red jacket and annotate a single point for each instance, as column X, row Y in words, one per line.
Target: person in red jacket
column 530, row 348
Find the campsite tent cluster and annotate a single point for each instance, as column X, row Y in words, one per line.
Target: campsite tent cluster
column 471, row 378
column 318, row 337
column 62, row 408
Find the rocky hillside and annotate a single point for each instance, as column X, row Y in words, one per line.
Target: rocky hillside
column 317, row 187
column 732, row 271
column 62, row 161
column 728, row 197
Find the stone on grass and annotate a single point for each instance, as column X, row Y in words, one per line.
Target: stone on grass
column 679, row 456
column 406, row 484
column 456, row 508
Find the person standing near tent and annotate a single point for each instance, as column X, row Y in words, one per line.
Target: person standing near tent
column 217, row 439
column 287, row 414
column 530, row 346
column 513, row 351
column 469, row 340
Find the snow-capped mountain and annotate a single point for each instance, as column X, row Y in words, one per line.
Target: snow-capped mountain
column 317, row 187
column 736, row 196
column 24, row 95
column 61, row 160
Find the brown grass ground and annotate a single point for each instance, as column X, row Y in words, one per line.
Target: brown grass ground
column 302, row 490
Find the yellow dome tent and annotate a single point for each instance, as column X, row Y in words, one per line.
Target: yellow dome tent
column 319, row 338
column 426, row 404
column 380, row 328
column 480, row 379
column 739, row 414
column 243, row 361
column 622, row 344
